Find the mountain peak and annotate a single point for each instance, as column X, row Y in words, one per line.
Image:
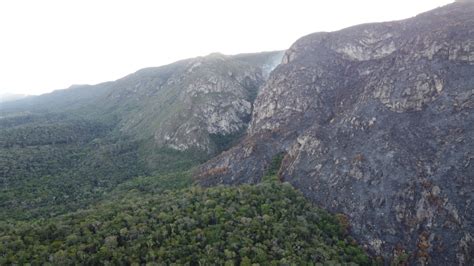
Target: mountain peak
column 374, row 121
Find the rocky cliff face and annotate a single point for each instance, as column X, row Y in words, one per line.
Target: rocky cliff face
column 377, row 123
column 198, row 103
column 193, row 103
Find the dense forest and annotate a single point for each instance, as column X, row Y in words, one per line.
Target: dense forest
column 77, row 189
column 351, row 147
column 51, row 163
column 270, row 224
column 73, row 194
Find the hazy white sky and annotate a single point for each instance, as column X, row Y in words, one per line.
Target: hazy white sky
column 51, row 44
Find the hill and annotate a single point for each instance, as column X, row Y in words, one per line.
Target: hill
column 376, row 121
column 64, row 150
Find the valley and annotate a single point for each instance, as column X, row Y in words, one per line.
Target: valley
column 351, row 147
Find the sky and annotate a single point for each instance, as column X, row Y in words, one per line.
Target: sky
column 51, row 44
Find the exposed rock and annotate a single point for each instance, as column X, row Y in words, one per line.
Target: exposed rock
column 183, row 104
column 377, row 122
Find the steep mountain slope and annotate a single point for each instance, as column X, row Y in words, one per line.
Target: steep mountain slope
column 187, row 104
column 376, row 121
column 63, row 150
column 181, row 105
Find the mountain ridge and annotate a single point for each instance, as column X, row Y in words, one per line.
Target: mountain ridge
column 154, row 121
column 373, row 123
column 366, row 117
column 138, row 100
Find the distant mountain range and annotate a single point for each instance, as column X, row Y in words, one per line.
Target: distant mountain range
column 7, row 97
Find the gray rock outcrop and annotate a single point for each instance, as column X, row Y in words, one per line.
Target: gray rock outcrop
column 193, row 104
column 377, row 123
column 185, row 106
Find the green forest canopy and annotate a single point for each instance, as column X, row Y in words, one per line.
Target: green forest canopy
column 269, row 223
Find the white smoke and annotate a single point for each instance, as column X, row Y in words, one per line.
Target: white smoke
column 272, row 64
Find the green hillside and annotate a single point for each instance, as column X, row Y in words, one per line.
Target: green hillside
column 101, row 174
column 52, row 164
column 65, row 150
